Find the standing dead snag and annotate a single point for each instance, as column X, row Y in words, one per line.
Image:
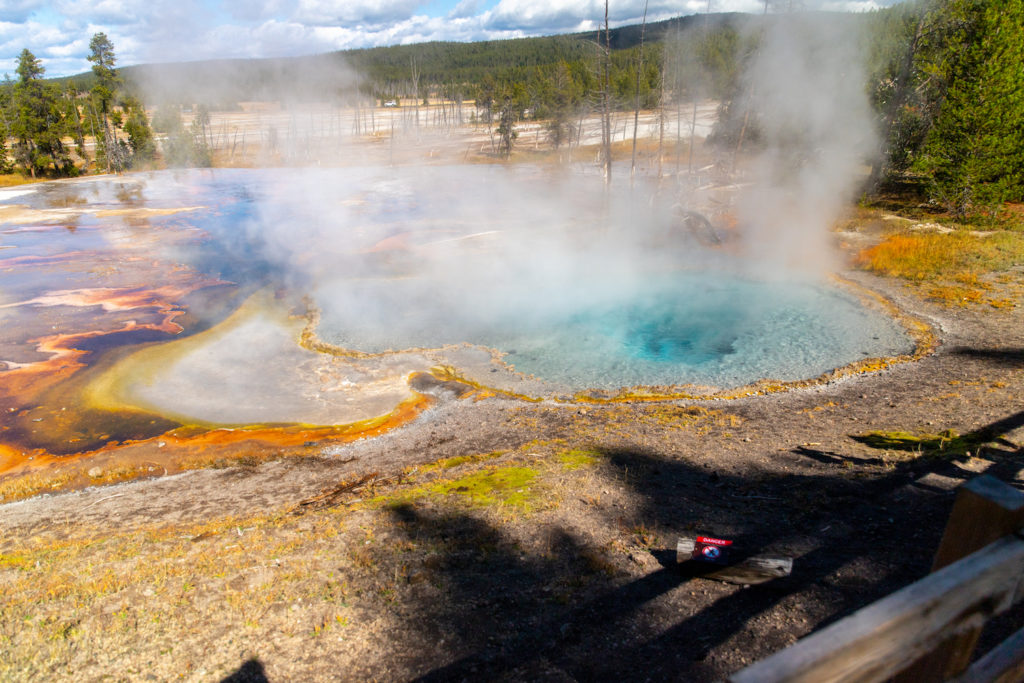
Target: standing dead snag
column 636, row 101
column 606, row 104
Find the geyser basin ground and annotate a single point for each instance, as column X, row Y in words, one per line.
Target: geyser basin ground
column 501, row 273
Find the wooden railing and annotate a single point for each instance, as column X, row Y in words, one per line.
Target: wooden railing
column 928, row 631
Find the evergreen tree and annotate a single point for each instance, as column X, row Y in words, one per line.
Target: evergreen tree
column 974, row 151
column 167, row 118
column 565, row 97
column 37, row 124
column 513, row 101
column 101, row 53
column 140, row 135
column 5, row 127
column 5, row 164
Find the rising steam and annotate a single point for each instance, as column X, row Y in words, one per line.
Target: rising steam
column 400, row 255
column 807, row 88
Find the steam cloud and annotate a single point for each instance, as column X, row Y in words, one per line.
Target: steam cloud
column 446, row 252
column 808, row 88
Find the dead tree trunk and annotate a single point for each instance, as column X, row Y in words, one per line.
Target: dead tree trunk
column 606, row 104
column 636, row 99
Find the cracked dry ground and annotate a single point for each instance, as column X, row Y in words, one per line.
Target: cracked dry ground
column 502, row 540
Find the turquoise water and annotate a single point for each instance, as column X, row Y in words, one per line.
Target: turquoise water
column 688, row 328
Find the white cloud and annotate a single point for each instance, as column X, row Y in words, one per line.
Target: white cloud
column 255, row 10
column 270, row 39
column 18, row 11
column 48, row 43
column 546, row 16
column 555, row 16
column 104, row 11
column 354, row 12
column 176, row 30
column 465, row 9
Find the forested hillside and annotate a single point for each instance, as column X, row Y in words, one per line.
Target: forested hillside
column 946, row 78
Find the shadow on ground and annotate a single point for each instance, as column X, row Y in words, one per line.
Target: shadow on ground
column 860, row 531
column 250, row 672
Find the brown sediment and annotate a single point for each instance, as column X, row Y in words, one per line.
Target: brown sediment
column 24, row 474
column 24, row 381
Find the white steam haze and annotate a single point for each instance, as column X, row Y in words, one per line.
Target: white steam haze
column 541, row 239
column 404, row 255
column 807, row 86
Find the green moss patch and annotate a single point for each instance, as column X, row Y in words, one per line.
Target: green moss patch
column 575, row 459
column 511, row 486
column 945, row 443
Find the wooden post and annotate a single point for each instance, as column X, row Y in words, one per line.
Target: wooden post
column 985, row 510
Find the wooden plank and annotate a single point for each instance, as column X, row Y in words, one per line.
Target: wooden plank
column 875, row 643
column 1004, row 664
column 985, row 509
column 737, row 569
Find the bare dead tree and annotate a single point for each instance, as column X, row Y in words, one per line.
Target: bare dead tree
column 606, row 104
column 636, row 100
column 750, row 100
column 415, row 87
column 661, row 120
column 693, row 117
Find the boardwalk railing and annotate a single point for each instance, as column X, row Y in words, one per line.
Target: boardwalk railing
column 928, row 631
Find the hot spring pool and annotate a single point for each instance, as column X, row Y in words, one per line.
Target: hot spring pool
column 575, row 288
column 685, row 328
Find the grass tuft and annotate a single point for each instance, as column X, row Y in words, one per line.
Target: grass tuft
column 449, row 463
column 32, row 485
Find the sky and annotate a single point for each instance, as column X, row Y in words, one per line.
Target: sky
column 145, row 31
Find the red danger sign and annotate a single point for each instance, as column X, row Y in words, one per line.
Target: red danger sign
column 713, row 541
column 709, row 549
